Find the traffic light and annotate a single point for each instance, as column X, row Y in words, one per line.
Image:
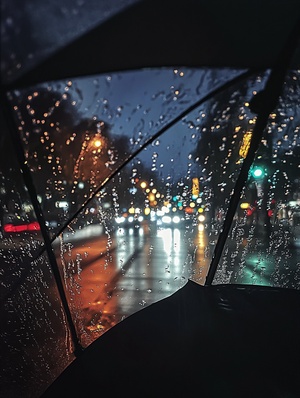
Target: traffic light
column 258, row 172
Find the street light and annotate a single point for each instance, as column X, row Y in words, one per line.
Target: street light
column 97, row 143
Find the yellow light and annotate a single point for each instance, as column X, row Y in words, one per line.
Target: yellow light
column 143, row 184
column 195, row 186
column 151, row 197
column 131, row 210
column 245, row 144
column 244, row 205
column 97, row 143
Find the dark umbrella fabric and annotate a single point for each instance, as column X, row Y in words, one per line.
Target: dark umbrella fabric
column 206, row 341
column 152, row 33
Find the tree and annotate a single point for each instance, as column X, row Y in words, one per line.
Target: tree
column 69, row 156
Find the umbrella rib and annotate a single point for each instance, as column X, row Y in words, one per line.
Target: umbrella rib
column 40, row 218
column 263, row 104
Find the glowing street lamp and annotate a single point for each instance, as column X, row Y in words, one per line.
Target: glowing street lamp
column 97, row 143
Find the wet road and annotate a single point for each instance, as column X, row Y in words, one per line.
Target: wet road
column 111, row 277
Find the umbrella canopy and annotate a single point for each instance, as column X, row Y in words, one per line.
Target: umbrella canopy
column 221, row 340
column 126, row 35
column 146, row 144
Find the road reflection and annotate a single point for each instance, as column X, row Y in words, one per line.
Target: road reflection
column 203, row 255
column 109, row 277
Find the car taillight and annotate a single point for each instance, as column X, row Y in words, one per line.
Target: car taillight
column 8, row 228
column 33, row 226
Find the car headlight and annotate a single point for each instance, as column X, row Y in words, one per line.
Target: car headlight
column 176, row 219
column 166, row 219
column 201, row 218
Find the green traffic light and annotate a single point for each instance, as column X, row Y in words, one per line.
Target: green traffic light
column 258, row 172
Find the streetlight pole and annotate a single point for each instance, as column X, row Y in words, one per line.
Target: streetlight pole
column 261, row 179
